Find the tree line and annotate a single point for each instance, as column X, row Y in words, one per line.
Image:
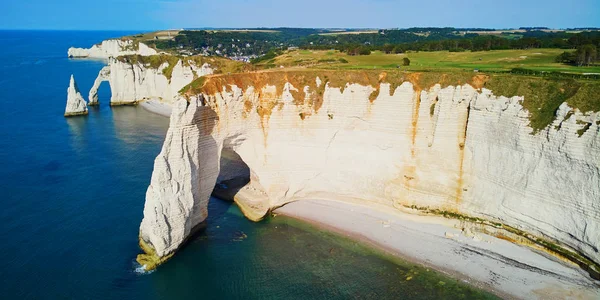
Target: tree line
column 259, row 43
column 585, row 55
column 470, row 43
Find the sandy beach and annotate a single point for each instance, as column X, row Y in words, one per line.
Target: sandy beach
column 506, row 269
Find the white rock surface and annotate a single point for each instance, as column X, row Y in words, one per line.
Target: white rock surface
column 132, row 83
column 112, row 48
column 185, row 173
column 474, row 155
column 103, row 75
column 75, row 102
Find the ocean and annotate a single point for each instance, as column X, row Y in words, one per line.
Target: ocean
column 73, row 192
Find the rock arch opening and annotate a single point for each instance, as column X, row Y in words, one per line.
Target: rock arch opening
column 103, row 75
column 234, row 174
column 238, row 182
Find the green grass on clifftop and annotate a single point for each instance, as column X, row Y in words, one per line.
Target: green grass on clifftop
column 221, row 65
column 153, row 62
column 495, row 60
column 543, row 96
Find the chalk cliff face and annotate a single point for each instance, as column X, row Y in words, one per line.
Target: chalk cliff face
column 134, row 82
column 75, row 102
column 454, row 149
column 112, row 48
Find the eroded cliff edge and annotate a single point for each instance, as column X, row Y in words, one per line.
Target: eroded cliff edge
column 452, row 148
column 112, row 48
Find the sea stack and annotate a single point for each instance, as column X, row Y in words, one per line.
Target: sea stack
column 75, row 102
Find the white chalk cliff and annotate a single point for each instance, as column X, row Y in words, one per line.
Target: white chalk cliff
column 75, row 102
column 454, row 149
column 112, row 48
column 134, row 82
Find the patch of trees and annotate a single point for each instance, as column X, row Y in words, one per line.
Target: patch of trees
column 358, row 50
column 270, row 55
column 533, row 28
column 584, row 56
column 474, row 42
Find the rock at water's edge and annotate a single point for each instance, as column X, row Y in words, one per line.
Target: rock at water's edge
column 75, row 102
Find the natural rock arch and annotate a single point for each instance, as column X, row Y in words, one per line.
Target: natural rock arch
column 184, row 177
column 389, row 150
column 103, row 75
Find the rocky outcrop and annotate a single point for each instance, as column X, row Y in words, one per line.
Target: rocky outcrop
column 454, row 150
column 112, row 48
column 75, row 102
column 103, row 75
column 131, row 83
column 182, row 181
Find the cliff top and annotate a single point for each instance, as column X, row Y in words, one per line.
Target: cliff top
column 222, row 65
column 542, row 96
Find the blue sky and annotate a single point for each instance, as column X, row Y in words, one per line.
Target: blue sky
column 162, row 14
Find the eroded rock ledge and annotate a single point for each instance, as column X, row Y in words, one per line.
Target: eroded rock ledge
column 455, row 150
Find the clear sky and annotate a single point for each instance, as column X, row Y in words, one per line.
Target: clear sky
column 163, row 14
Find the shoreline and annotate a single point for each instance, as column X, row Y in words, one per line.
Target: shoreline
column 503, row 268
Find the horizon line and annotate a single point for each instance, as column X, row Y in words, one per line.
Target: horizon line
column 291, row 27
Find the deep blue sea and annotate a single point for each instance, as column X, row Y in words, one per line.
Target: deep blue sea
column 72, row 194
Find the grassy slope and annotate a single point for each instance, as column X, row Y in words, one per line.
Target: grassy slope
column 498, row 60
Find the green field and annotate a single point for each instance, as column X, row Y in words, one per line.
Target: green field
column 497, row 60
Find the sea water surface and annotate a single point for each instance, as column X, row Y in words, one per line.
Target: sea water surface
column 72, row 195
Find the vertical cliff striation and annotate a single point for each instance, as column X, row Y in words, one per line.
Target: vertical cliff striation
column 453, row 150
column 75, row 102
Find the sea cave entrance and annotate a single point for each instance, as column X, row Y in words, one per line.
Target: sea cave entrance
column 234, row 174
column 237, row 182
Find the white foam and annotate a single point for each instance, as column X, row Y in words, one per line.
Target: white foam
column 141, row 269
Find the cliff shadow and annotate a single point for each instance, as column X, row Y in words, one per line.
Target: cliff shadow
column 234, row 174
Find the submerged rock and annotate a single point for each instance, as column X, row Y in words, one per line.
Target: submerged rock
column 75, row 102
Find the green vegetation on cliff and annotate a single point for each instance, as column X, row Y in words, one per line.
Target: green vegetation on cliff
column 222, row 65
column 153, row 62
column 543, row 96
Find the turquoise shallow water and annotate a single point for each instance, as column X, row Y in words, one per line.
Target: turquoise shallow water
column 73, row 193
